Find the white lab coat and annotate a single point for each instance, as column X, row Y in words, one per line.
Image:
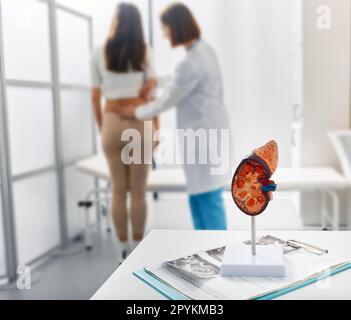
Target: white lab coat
column 196, row 90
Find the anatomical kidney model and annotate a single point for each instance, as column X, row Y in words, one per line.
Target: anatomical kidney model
column 251, row 186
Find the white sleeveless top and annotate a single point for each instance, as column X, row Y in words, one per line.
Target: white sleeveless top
column 118, row 85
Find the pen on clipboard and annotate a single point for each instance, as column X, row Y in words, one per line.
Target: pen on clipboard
column 311, row 248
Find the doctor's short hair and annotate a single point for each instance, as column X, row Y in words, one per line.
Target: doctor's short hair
column 182, row 23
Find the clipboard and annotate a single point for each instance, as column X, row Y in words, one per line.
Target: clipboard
column 173, row 294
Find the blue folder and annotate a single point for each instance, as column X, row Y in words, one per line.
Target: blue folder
column 173, row 294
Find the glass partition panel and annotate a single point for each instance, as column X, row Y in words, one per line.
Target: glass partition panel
column 77, row 124
column 36, row 216
column 31, row 129
column 73, row 48
column 26, row 40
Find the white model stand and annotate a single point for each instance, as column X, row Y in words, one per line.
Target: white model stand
column 253, row 261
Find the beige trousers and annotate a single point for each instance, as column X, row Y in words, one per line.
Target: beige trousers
column 125, row 178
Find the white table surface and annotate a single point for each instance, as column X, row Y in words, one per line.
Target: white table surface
column 162, row 245
column 287, row 179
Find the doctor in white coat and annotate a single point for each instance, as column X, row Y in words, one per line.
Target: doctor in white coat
column 196, row 91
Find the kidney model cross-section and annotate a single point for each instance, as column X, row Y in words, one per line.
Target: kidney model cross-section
column 251, row 187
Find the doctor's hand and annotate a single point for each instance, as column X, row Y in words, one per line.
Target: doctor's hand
column 127, row 112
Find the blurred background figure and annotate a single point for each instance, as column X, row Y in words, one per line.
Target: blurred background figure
column 196, row 91
column 122, row 73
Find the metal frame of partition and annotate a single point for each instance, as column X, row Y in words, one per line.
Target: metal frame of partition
column 151, row 26
column 7, row 179
column 6, row 184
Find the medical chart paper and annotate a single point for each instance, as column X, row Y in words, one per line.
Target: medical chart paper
column 198, row 276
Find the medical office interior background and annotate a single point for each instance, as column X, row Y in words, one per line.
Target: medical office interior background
column 285, row 78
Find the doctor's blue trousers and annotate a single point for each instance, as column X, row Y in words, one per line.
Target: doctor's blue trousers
column 208, row 211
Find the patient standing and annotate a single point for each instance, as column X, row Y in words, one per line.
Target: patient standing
column 122, row 75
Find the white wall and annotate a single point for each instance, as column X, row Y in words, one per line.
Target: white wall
column 326, row 80
column 326, row 88
column 258, row 70
column 254, row 42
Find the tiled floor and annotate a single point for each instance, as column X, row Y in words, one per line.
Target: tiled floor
column 72, row 276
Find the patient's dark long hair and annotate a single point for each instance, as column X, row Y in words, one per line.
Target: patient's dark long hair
column 125, row 48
